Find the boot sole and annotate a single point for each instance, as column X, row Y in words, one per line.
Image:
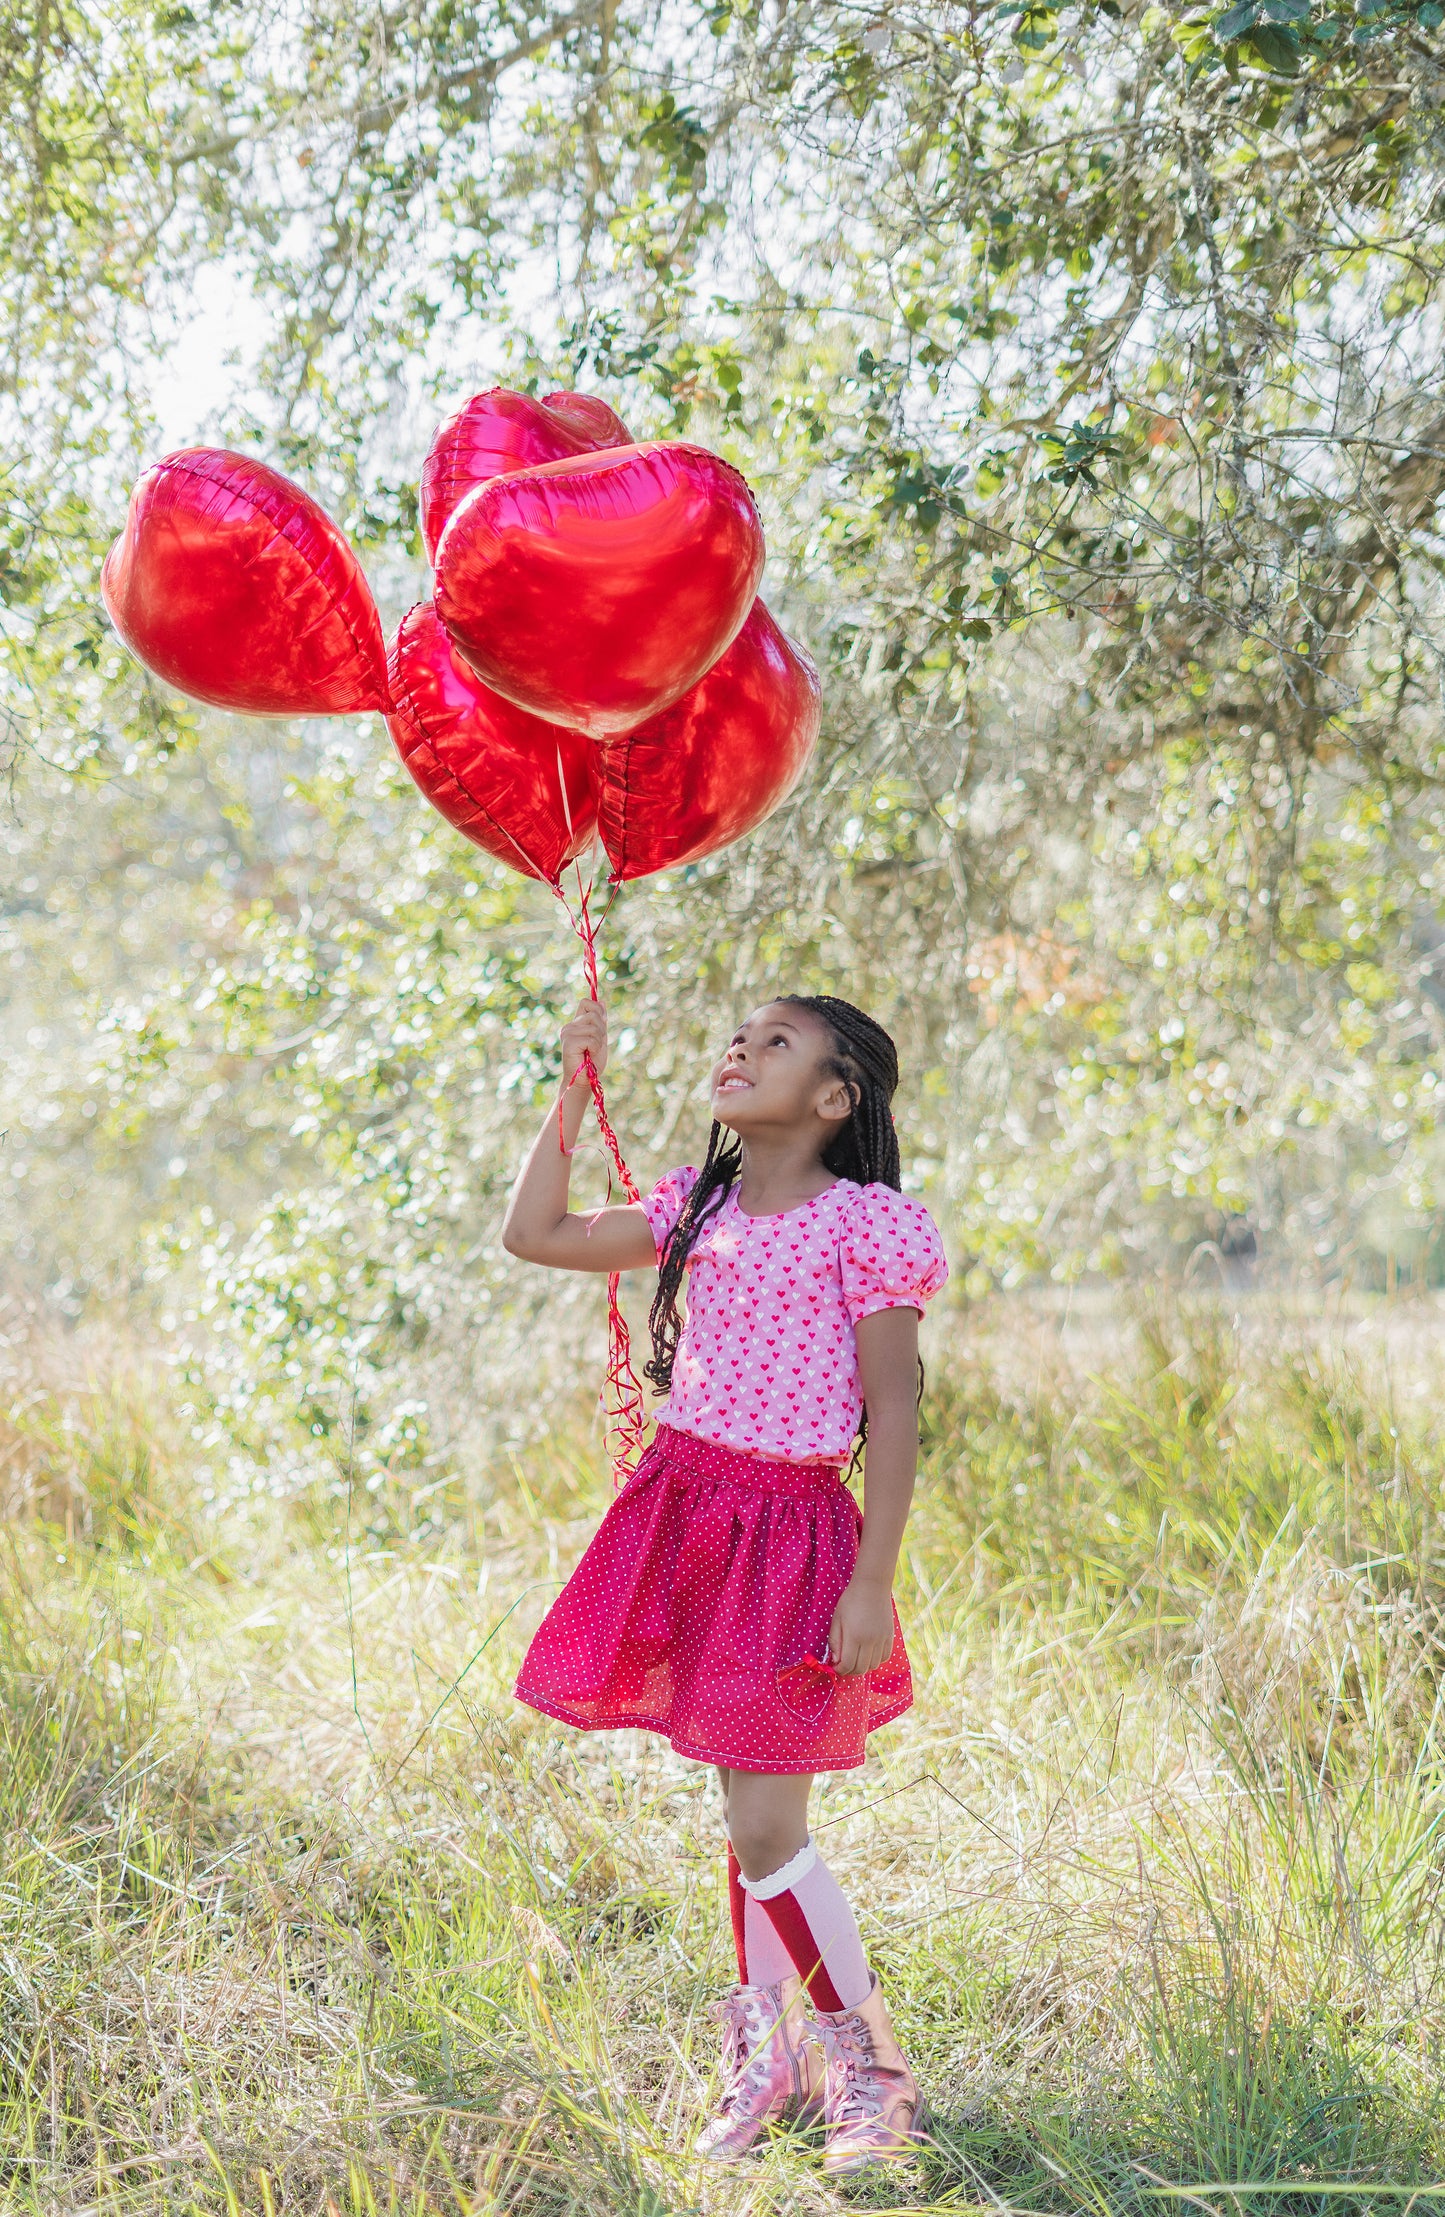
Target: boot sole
column 795, row 2117
column 917, row 2137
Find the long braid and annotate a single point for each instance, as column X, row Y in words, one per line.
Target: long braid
column 864, row 1150
column 715, row 1181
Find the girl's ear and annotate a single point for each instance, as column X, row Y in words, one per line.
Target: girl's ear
column 836, row 1105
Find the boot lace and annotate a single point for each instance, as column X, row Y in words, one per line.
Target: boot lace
column 859, row 2096
column 746, row 2024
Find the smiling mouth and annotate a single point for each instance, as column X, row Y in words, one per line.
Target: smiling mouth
column 734, row 1083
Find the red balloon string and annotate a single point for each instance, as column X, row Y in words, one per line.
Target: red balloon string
column 622, row 1400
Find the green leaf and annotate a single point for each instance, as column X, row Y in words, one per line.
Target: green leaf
column 1075, row 451
column 1277, row 49
column 1236, row 21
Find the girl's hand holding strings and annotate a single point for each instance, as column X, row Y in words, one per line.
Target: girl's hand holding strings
column 582, row 1035
column 539, row 1225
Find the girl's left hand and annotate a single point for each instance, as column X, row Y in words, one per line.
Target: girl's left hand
column 860, row 1636
column 585, row 1034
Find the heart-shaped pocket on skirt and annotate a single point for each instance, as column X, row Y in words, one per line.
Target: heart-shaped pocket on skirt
column 503, row 430
column 595, row 591
column 234, row 586
column 523, row 789
column 807, row 1688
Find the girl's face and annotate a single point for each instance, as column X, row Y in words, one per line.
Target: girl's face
column 774, row 1076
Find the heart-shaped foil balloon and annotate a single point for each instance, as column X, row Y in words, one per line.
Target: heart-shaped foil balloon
column 523, row 789
column 589, row 417
column 597, row 590
column 501, row 430
column 717, row 762
column 231, row 584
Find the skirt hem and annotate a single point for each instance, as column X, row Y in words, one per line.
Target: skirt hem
column 659, row 1725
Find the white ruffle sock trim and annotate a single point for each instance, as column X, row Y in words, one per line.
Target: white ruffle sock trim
column 782, row 1881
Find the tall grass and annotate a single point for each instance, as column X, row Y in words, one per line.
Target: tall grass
column 299, row 1912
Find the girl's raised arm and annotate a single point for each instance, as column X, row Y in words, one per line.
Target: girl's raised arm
column 538, row 1226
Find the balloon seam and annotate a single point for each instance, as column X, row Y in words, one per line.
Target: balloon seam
column 626, row 804
column 366, row 655
column 478, row 807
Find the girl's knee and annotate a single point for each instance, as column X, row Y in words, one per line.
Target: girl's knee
column 762, row 1850
column 765, row 1835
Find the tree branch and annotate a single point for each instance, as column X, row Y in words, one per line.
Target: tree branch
column 435, row 87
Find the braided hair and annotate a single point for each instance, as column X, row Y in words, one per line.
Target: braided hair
column 864, row 1149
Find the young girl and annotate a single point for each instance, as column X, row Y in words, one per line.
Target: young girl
column 733, row 1598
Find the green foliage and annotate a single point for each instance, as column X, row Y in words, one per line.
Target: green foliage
column 1284, row 35
column 1087, row 367
column 1076, row 451
column 677, row 136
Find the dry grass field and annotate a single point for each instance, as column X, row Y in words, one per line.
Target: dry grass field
column 298, row 1912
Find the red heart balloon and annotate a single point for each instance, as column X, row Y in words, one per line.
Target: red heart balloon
column 501, row 430
column 596, row 590
column 717, row 762
column 590, row 417
column 230, row 583
column 523, row 789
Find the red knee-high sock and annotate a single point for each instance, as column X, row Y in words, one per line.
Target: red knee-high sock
column 768, row 1960
column 810, row 1913
column 738, row 1906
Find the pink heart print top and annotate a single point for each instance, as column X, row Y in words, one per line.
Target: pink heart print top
column 768, row 1359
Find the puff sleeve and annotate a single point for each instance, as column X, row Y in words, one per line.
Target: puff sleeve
column 664, row 1204
column 890, row 1254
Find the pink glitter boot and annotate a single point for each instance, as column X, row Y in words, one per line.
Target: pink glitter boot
column 773, row 2067
column 870, row 2099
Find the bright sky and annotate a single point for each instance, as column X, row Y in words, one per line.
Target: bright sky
column 209, row 368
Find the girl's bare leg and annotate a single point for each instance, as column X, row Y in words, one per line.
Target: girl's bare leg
column 766, row 1816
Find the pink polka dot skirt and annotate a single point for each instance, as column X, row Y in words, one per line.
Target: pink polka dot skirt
column 700, row 1607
